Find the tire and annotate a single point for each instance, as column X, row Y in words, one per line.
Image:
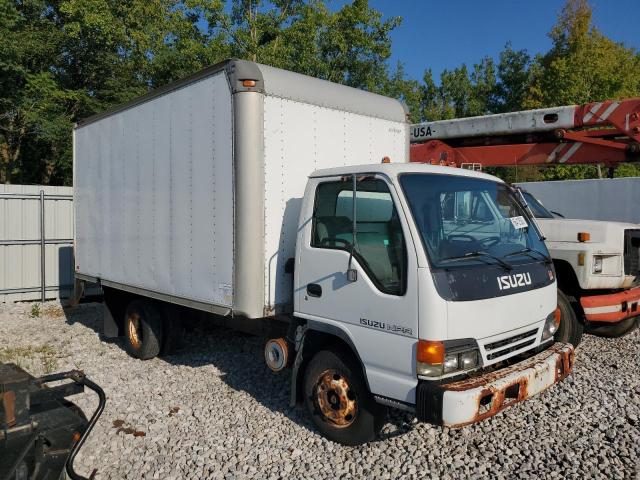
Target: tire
column 351, row 415
column 571, row 328
column 143, row 329
column 614, row 330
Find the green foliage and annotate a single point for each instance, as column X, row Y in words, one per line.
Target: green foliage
column 514, row 78
column 583, row 65
column 627, row 170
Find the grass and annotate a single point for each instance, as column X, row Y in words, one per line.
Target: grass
column 35, row 310
column 40, row 358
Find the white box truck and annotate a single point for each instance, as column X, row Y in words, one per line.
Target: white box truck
column 266, row 199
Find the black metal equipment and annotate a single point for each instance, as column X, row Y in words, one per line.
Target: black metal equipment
column 40, row 431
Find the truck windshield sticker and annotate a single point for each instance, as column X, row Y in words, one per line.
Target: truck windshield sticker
column 518, row 222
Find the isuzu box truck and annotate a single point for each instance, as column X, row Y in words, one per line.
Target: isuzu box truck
column 285, row 205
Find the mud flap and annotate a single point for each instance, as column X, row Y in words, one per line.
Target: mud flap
column 300, row 337
column 109, row 325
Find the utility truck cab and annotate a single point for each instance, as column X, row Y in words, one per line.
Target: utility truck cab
column 598, row 268
column 437, row 280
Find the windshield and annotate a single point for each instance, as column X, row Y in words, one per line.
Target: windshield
column 467, row 220
column 536, row 207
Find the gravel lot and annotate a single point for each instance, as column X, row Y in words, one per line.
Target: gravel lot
column 214, row 410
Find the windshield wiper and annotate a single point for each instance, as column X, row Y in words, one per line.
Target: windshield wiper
column 502, row 263
column 529, row 251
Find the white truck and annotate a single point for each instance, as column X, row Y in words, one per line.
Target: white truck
column 266, row 200
column 598, row 268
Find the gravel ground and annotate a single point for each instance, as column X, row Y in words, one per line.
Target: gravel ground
column 214, row 410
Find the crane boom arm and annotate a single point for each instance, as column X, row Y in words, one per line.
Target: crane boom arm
column 601, row 132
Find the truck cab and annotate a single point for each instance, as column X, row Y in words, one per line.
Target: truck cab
column 598, row 272
column 439, row 288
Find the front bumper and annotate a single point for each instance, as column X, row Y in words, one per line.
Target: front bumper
column 612, row 308
column 473, row 399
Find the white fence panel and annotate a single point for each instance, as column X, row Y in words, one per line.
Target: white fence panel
column 26, row 255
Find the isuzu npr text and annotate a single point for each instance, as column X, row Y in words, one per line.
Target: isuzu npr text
column 285, row 205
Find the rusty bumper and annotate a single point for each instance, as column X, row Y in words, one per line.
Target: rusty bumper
column 612, row 308
column 471, row 400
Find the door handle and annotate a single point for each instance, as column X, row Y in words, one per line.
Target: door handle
column 314, row 290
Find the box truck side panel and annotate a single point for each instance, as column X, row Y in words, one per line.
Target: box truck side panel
column 301, row 137
column 154, row 194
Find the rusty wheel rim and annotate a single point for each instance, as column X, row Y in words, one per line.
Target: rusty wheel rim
column 335, row 399
column 133, row 330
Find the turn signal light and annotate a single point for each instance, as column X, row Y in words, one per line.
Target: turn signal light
column 557, row 316
column 584, row 236
column 386, row 160
column 431, row 352
column 248, row 83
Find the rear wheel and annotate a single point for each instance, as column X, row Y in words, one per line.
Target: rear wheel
column 143, row 329
column 338, row 401
column 571, row 328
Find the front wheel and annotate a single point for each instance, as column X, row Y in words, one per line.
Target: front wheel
column 338, row 401
column 571, row 328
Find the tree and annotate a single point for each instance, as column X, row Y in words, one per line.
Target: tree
column 583, row 65
column 348, row 46
column 513, row 80
column 62, row 60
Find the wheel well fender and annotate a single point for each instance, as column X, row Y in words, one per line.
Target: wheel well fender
column 321, row 336
column 567, row 278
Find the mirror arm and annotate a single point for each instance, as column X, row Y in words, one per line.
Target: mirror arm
column 352, row 273
column 527, row 209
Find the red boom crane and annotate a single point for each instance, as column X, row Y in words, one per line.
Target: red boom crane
column 601, row 132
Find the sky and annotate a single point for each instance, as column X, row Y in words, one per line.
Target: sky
column 443, row 34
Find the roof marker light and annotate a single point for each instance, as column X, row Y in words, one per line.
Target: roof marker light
column 584, row 236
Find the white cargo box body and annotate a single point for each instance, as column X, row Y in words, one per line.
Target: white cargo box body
column 191, row 194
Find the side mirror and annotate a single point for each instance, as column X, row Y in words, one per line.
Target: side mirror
column 352, row 275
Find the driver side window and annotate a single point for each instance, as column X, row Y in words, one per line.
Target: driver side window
column 379, row 246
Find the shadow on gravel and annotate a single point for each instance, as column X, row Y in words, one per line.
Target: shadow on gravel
column 239, row 359
column 89, row 314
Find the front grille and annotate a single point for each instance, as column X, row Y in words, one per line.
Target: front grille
column 507, row 345
column 632, row 253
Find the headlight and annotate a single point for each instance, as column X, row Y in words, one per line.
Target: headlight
column 450, row 363
column 597, row 264
column 551, row 325
column 433, row 361
column 469, row 359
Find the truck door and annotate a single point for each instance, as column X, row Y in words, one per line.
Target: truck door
column 379, row 310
